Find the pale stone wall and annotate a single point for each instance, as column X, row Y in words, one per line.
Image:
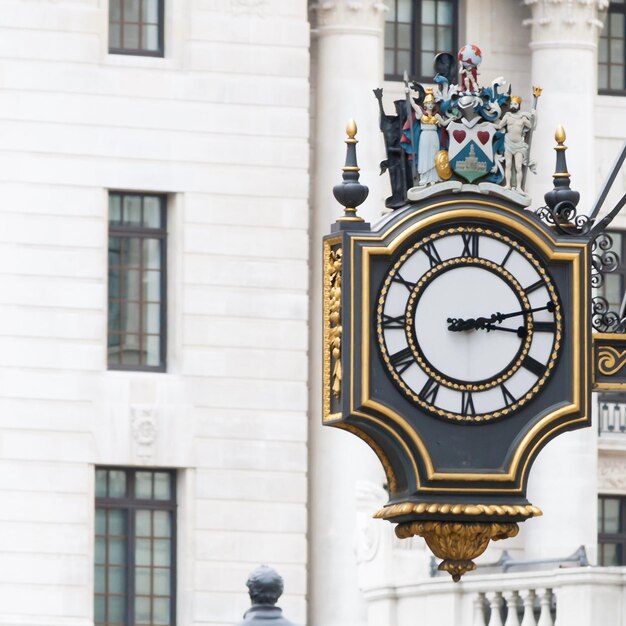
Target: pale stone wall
column 221, row 124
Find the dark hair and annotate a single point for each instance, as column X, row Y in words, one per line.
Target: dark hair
column 265, row 585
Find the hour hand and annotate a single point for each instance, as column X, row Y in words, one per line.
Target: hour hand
column 458, row 323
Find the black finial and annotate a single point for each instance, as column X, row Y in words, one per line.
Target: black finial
column 350, row 193
column 561, row 191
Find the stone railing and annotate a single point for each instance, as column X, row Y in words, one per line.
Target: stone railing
column 611, row 413
column 577, row 596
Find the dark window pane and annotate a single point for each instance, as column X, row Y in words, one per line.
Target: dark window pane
column 603, row 50
column 117, row 579
column 150, row 37
column 161, row 611
column 132, row 290
column 142, row 581
column 131, row 250
column 404, row 36
column 616, row 24
column 131, row 10
column 117, row 484
column 115, row 10
column 132, row 319
column 152, row 350
column 131, row 351
column 99, row 580
column 115, row 251
column 117, row 522
column 404, row 62
column 616, row 77
column 132, row 210
column 99, row 609
column 161, row 582
column 428, row 39
column 152, row 286
column 162, row 526
column 101, row 483
column 143, row 485
column 151, row 11
column 162, row 486
column 117, row 609
column 161, row 555
column 603, row 77
column 101, row 518
column 115, row 36
column 389, row 62
column 117, row 551
column 445, row 13
column 405, row 11
column 143, row 554
column 390, row 35
column 428, row 11
column 152, row 252
column 143, row 523
column 612, row 515
column 142, row 611
column 100, row 551
column 152, row 212
column 152, row 318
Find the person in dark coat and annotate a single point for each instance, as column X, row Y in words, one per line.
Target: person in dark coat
column 265, row 586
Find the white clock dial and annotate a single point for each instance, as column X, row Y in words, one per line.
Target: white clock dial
column 469, row 324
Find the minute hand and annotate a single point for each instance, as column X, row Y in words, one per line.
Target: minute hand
column 500, row 317
column 458, row 324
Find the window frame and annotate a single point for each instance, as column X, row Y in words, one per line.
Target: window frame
column 131, row 505
column 607, row 91
column 416, row 50
column 618, row 538
column 159, row 52
column 142, row 232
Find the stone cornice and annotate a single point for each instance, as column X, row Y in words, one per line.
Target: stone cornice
column 571, row 20
column 347, row 14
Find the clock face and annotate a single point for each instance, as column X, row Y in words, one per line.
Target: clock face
column 469, row 324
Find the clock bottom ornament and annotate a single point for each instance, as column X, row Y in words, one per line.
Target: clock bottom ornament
column 457, row 543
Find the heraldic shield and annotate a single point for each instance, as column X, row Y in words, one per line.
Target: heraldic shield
column 471, row 149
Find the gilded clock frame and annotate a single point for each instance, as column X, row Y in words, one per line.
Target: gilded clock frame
column 427, row 216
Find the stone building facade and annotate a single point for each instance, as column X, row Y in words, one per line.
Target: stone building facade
column 232, row 117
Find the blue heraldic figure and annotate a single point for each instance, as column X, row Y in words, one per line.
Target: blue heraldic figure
column 265, row 586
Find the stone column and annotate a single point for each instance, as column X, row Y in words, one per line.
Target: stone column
column 564, row 57
column 347, row 65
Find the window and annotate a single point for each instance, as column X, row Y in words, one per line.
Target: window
column 611, row 530
column 136, row 27
column 414, row 32
column 137, row 272
column 611, row 66
column 135, row 548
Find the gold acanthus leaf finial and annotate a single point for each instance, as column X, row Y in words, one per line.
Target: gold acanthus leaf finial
column 351, row 129
column 559, row 135
column 537, row 91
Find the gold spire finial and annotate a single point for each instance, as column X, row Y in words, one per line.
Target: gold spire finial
column 559, row 135
column 351, row 129
column 537, row 91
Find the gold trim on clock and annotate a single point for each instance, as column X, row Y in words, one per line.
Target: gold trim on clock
column 424, row 365
column 527, row 448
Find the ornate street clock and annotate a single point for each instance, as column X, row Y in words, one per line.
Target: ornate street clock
column 457, row 343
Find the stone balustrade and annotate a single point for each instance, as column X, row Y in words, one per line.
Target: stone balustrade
column 577, row 596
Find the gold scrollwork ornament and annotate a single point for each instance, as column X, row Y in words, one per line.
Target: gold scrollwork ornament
column 610, row 360
column 457, row 543
column 334, row 317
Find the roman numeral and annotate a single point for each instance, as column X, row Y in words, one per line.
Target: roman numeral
column 429, row 391
column 397, row 278
column 470, row 244
column 544, row 327
column 507, row 257
column 533, row 366
column 431, row 252
column 402, row 360
column 534, row 286
column 509, row 398
column 394, row 322
column 467, row 403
